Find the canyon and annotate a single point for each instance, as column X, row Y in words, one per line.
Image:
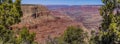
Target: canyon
column 52, row 20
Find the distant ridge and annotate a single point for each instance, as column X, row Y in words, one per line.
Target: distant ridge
column 31, row 4
column 59, row 5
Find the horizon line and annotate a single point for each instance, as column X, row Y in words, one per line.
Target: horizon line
column 62, row 4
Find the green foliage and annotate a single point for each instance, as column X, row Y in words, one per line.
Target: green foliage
column 72, row 35
column 7, row 35
column 93, row 37
column 25, row 37
column 110, row 27
column 18, row 6
column 52, row 40
column 10, row 14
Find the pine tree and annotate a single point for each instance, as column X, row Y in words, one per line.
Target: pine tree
column 10, row 14
column 18, row 6
column 75, row 35
column 110, row 29
column 0, row 1
column 25, row 37
column 5, row 9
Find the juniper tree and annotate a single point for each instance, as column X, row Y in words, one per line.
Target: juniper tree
column 110, row 29
column 7, row 18
column 10, row 14
column 25, row 37
column 75, row 35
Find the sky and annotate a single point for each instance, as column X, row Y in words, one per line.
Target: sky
column 63, row 2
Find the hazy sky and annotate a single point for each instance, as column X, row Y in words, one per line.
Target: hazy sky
column 63, row 2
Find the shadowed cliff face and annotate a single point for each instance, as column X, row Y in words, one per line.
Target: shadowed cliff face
column 44, row 22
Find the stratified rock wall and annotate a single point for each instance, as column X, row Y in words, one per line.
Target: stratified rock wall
column 47, row 23
column 39, row 10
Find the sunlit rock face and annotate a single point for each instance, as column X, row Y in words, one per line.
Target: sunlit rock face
column 31, row 10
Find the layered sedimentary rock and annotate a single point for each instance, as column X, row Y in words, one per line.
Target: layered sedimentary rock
column 44, row 23
column 31, row 10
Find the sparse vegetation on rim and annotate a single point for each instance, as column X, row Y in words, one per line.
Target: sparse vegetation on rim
column 51, row 26
column 10, row 14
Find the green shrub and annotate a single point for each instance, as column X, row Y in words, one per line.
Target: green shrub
column 10, row 14
column 26, row 37
column 72, row 35
column 110, row 28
